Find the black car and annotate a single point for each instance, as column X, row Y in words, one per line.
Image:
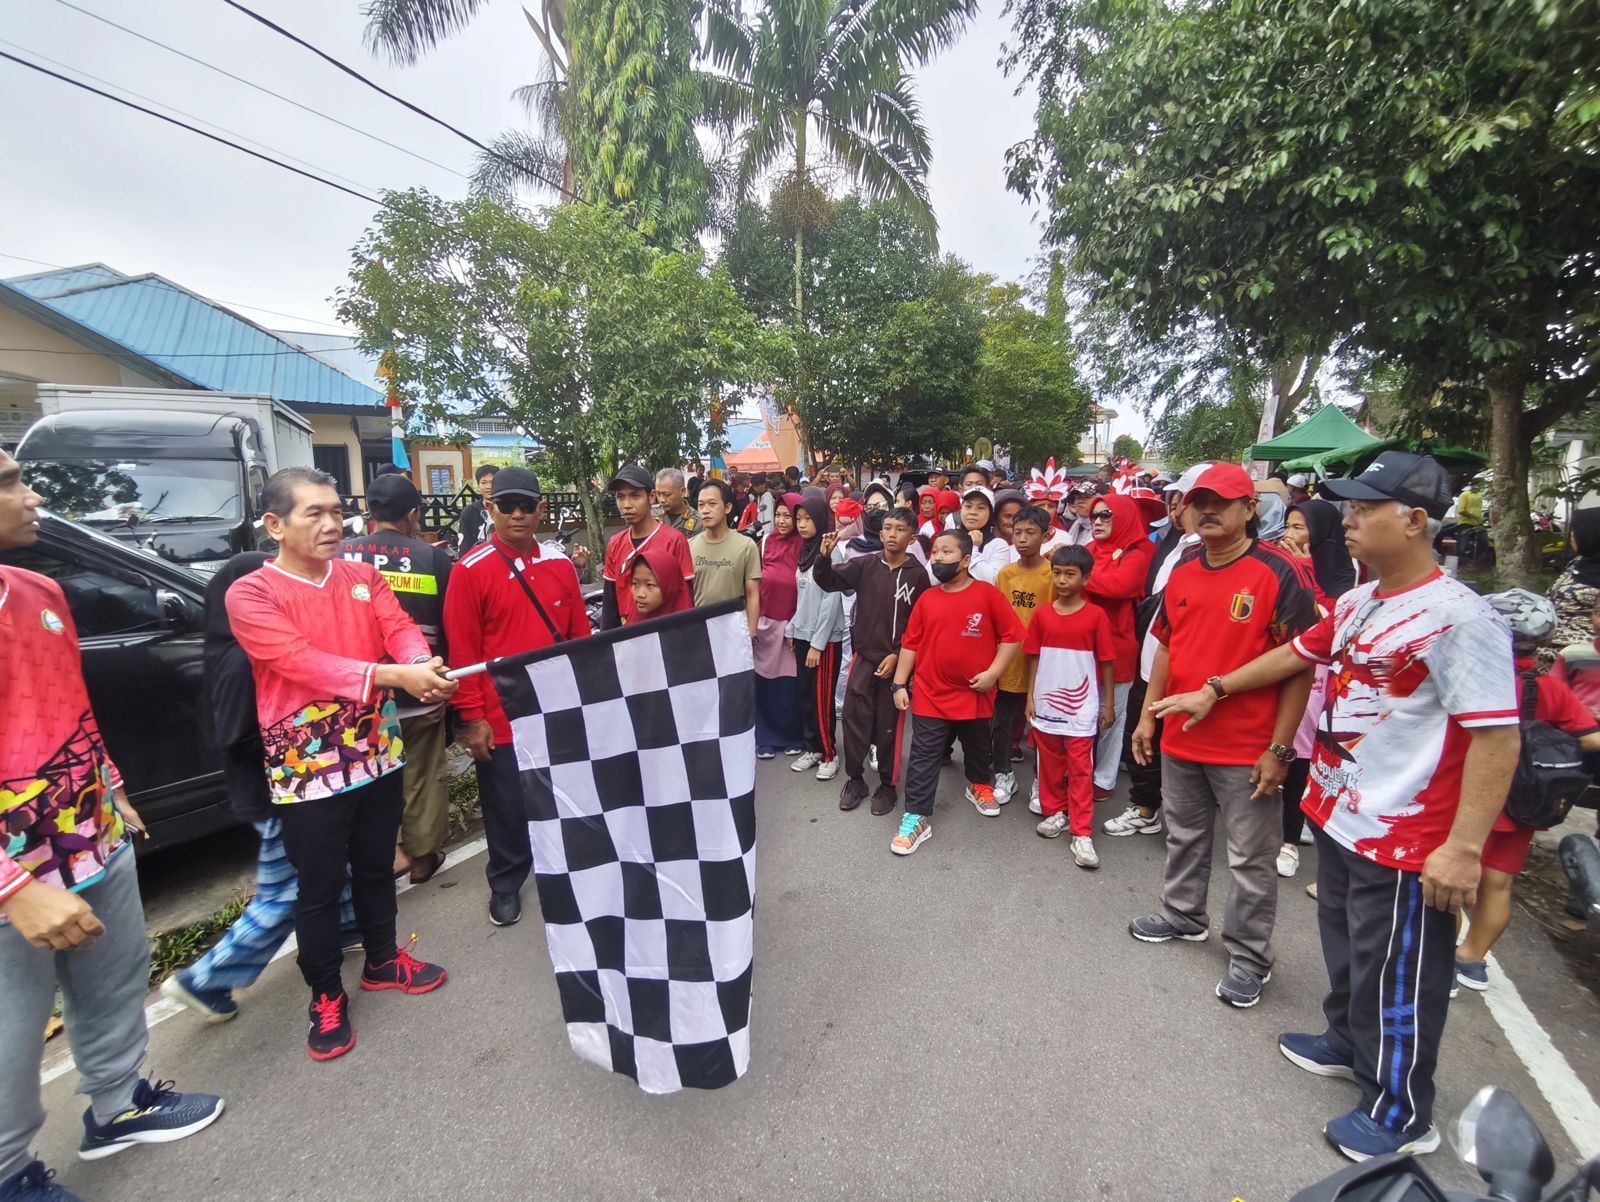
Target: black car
column 139, row 620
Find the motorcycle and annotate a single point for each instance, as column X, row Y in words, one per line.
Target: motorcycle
column 1496, row 1136
column 593, row 594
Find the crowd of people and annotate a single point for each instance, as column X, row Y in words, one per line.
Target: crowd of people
column 1289, row 667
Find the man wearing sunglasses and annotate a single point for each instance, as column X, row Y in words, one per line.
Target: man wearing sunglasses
column 507, row 596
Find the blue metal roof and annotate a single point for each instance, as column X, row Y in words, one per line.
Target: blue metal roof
column 200, row 340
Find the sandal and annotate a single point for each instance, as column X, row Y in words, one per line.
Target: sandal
column 424, row 866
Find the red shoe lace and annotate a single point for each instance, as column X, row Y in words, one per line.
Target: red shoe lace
column 404, row 963
column 329, row 1010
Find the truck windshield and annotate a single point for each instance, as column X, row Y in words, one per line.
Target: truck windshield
column 130, row 491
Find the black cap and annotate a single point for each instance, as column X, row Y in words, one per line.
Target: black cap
column 631, row 475
column 1415, row 480
column 391, row 496
column 514, row 482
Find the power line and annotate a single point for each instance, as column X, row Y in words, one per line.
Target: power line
column 262, row 89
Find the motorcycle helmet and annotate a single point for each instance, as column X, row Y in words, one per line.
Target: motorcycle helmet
column 1532, row 617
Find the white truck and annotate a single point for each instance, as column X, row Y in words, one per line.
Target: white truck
column 177, row 472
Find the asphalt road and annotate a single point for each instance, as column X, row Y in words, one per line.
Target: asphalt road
column 971, row 1022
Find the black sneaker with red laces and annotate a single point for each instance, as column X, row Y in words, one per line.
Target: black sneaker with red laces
column 331, row 1033
column 405, row 973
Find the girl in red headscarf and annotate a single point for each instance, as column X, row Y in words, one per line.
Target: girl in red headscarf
column 658, row 584
column 1121, row 546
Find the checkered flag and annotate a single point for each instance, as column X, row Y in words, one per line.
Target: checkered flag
column 637, row 753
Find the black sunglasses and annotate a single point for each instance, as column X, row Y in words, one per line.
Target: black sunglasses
column 510, row 505
column 1100, row 515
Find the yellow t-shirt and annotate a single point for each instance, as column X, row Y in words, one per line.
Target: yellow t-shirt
column 1026, row 590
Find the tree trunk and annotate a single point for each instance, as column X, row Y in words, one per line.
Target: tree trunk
column 1516, row 551
column 799, row 275
column 594, row 523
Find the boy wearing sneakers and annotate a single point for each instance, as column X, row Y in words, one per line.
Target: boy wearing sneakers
column 961, row 638
column 1070, row 700
column 1026, row 585
column 886, row 585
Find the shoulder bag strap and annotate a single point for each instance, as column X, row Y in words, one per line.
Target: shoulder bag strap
column 1530, row 697
column 527, row 588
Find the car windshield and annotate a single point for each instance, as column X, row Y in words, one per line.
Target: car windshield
column 107, row 492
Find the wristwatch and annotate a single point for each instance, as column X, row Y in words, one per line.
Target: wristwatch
column 1216, row 687
column 897, row 687
column 1285, row 755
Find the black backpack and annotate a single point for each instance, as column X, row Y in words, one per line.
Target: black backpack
column 1550, row 775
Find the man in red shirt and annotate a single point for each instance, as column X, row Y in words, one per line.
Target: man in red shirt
column 1227, row 601
column 329, row 645
column 630, row 488
column 507, row 596
column 70, row 914
column 959, row 641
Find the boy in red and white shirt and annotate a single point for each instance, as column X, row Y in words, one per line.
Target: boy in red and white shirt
column 328, row 644
column 1071, row 699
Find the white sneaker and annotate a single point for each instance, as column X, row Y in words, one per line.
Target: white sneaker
column 1131, row 822
column 829, row 769
column 872, row 756
column 1308, row 837
column 1288, row 860
column 1084, row 853
column 1053, row 825
column 1005, row 786
column 805, row 761
column 1033, row 799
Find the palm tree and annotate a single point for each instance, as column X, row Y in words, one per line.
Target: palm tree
column 836, row 68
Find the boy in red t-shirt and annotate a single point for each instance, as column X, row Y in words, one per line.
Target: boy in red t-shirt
column 1071, row 699
column 961, row 638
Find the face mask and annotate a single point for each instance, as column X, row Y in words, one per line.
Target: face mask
column 944, row 573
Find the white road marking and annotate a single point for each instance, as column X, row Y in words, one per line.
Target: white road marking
column 162, row 1008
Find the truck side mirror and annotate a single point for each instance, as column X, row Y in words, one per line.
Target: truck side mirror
column 179, row 612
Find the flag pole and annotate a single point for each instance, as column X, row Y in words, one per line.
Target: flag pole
column 471, row 670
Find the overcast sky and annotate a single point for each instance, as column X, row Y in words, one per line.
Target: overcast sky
column 87, row 180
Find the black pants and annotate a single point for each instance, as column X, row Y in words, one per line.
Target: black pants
column 929, row 738
column 1006, row 708
column 358, row 828
column 505, row 822
column 1391, row 961
column 818, row 687
column 870, row 720
column 1294, row 790
column 1144, row 780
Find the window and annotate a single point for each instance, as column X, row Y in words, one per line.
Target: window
column 334, row 460
column 441, row 481
column 103, row 602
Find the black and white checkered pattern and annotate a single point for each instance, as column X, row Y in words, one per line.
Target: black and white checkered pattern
column 637, row 751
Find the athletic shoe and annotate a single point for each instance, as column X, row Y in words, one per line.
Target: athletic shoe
column 793, row 750
column 213, row 1005
column 1102, row 794
column 915, row 830
column 505, row 909
column 853, row 793
column 1474, row 974
column 1288, row 860
column 405, row 973
column 1131, row 822
column 1311, row 890
column 1316, row 1055
column 1083, row 852
column 766, row 753
column 1240, row 987
column 872, row 756
column 1052, row 826
column 806, row 761
column 884, row 800
column 1005, row 785
column 1308, row 837
column 828, row 769
column 34, row 1183
column 330, row 1033
column 1154, row 928
column 1034, row 806
column 1359, row 1138
column 1019, row 754
column 982, row 798
column 157, row 1115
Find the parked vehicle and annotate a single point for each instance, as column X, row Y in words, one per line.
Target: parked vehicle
column 140, row 623
column 177, row 473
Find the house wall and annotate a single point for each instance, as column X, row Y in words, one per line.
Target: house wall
column 334, row 429
column 426, row 458
column 50, row 358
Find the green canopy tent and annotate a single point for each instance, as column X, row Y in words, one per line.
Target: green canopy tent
column 1461, row 462
column 1328, row 429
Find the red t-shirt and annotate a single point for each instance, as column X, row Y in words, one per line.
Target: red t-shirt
column 620, row 552
column 1213, row 620
column 1071, row 650
column 956, row 636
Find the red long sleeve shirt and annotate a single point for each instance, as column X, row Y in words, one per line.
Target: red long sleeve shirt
column 314, row 647
column 1116, row 585
column 488, row 615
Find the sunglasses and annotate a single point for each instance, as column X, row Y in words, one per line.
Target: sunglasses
column 1100, row 515
column 510, row 505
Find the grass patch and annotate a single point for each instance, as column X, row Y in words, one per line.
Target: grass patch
column 179, row 949
column 463, row 801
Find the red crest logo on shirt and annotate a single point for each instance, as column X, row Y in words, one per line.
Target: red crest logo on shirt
column 1242, row 606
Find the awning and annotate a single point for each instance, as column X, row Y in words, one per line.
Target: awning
column 1350, row 460
column 1328, row 429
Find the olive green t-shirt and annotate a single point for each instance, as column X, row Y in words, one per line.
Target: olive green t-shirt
column 722, row 568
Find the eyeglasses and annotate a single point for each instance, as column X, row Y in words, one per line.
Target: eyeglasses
column 1100, row 515
column 510, row 505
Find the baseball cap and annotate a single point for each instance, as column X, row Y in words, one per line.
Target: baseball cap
column 1185, row 482
column 514, row 482
column 1160, row 480
column 1228, row 480
column 1415, row 480
column 1299, row 480
column 390, row 497
column 631, row 475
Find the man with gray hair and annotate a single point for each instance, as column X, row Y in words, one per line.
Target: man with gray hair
column 672, row 496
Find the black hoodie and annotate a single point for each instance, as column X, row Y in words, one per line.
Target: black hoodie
column 884, row 597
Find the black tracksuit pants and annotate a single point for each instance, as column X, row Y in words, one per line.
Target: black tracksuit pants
column 1144, row 780
column 818, row 687
column 870, row 719
column 929, row 738
column 505, row 822
column 1391, row 961
column 1007, row 708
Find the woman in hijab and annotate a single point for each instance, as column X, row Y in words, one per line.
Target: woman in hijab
column 929, row 519
column 777, row 687
column 658, row 584
column 1331, row 565
column 816, row 631
column 1271, row 513
column 876, row 495
column 847, row 514
column 1577, row 588
column 1121, row 548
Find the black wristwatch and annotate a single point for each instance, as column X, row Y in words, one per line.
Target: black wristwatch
column 1216, row 687
column 897, row 687
column 1286, row 755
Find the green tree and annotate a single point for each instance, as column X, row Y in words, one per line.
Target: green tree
column 570, row 325
column 1417, row 175
column 836, row 69
column 1030, row 398
column 1126, row 446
